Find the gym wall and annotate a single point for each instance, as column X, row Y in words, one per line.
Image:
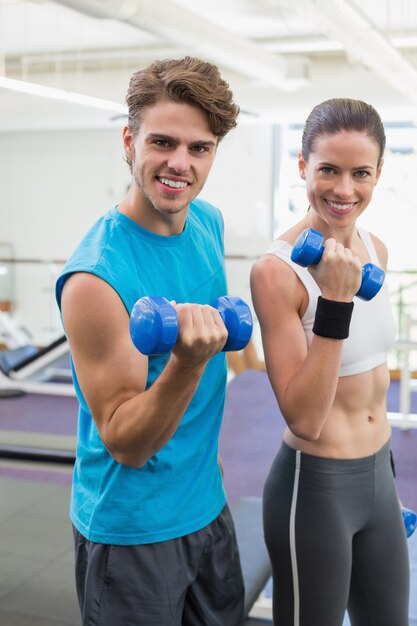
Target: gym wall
column 56, row 183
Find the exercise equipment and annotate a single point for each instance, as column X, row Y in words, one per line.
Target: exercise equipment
column 38, row 428
column 256, row 566
column 154, row 324
column 29, row 369
column 12, row 335
column 308, row 250
column 410, row 520
column 40, row 455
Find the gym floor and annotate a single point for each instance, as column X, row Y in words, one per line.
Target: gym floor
column 36, row 575
column 36, row 554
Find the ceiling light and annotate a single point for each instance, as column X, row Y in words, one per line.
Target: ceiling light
column 302, row 45
column 53, row 93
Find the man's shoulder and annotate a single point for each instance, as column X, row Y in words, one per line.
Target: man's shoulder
column 92, row 252
column 205, row 210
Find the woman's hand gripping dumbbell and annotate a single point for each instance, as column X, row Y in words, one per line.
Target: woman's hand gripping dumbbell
column 154, row 324
column 308, row 250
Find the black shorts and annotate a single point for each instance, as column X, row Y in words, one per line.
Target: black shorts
column 195, row 580
column 336, row 540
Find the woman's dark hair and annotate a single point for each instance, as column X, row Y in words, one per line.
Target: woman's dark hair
column 338, row 114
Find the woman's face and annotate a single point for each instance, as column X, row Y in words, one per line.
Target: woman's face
column 341, row 172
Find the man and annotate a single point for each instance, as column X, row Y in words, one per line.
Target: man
column 154, row 538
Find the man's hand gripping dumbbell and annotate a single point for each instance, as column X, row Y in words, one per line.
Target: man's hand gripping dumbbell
column 156, row 324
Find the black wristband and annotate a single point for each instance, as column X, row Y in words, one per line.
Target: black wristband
column 332, row 318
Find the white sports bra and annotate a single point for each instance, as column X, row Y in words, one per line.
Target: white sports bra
column 372, row 328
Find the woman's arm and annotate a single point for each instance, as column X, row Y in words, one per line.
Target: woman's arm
column 304, row 380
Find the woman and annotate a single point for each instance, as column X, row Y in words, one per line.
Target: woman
column 332, row 518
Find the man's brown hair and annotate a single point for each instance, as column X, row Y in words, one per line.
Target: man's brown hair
column 189, row 81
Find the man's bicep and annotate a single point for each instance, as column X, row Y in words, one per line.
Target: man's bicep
column 109, row 369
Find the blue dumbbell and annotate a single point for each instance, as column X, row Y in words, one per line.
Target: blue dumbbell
column 154, row 324
column 308, row 250
column 410, row 521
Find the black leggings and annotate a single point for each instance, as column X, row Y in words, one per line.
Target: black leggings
column 336, row 540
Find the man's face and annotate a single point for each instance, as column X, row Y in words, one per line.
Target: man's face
column 171, row 156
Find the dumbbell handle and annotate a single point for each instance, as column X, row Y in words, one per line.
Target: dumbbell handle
column 309, row 248
column 154, row 324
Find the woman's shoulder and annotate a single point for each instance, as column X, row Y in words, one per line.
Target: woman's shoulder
column 380, row 248
column 272, row 273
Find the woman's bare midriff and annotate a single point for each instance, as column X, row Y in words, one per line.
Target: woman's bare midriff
column 357, row 425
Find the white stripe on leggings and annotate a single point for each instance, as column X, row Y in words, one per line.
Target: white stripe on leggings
column 293, row 550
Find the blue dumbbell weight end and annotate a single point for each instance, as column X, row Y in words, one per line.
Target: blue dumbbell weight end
column 309, row 248
column 154, row 324
column 237, row 318
column 410, row 521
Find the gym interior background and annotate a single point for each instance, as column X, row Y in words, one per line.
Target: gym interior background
column 64, row 70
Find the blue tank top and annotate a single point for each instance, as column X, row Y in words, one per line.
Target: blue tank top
column 180, row 489
column 372, row 328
